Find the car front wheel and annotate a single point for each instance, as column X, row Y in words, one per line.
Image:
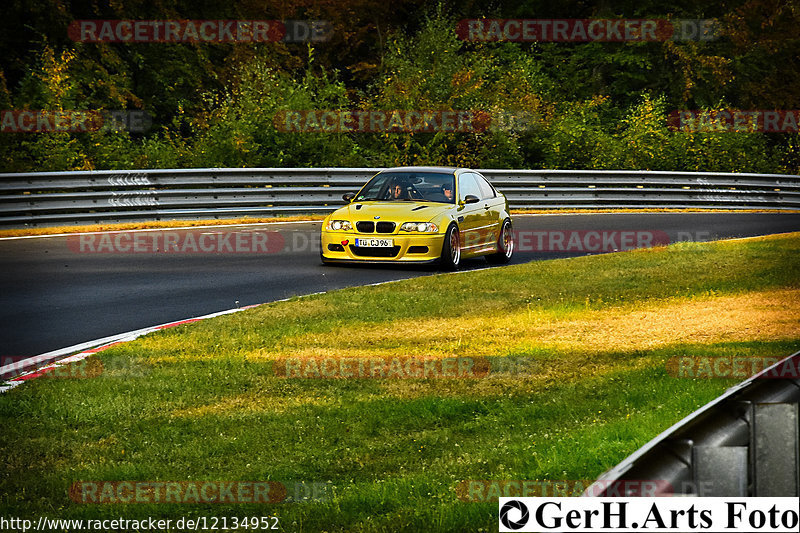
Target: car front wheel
column 322, row 259
column 451, row 249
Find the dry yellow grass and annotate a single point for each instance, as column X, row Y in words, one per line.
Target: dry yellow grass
column 252, row 402
column 765, row 315
column 567, row 346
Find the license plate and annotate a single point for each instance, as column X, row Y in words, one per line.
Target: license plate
column 374, row 243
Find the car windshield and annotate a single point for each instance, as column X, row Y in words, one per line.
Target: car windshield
column 410, row 186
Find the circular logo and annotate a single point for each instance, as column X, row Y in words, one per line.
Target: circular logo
column 524, row 515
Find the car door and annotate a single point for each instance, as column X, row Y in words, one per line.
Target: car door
column 472, row 217
column 493, row 205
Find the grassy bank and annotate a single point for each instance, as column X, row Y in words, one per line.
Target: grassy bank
column 594, row 335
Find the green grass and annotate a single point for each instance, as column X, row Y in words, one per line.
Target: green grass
column 202, row 401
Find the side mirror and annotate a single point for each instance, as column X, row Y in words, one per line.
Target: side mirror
column 348, row 196
column 471, row 199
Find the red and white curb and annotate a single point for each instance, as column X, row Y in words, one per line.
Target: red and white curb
column 55, row 359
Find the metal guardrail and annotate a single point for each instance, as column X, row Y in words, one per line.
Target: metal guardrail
column 48, row 198
column 744, row 443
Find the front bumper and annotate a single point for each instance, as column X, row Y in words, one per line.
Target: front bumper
column 338, row 246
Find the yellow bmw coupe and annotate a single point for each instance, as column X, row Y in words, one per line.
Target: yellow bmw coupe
column 420, row 215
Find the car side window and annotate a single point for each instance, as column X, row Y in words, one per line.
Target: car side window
column 467, row 185
column 487, row 191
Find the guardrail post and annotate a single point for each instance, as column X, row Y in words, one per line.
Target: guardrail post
column 723, row 469
column 775, row 449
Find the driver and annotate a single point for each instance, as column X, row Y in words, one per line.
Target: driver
column 398, row 190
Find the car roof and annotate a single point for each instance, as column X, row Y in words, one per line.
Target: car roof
column 443, row 170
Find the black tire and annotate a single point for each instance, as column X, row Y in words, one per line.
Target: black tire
column 451, row 249
column 322, row 259
column 505, row 245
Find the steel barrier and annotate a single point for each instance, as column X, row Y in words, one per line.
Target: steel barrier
column 744, row 443
column 50, row 198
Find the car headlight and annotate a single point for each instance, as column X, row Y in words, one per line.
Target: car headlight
column 339, row 225
column 425, row 227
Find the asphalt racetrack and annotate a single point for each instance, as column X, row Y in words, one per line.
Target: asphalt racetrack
column 54, row 294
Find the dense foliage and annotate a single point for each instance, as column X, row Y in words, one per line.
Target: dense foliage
column 553, row 104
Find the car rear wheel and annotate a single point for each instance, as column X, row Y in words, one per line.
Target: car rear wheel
column 505, row 245
column 451, row 249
